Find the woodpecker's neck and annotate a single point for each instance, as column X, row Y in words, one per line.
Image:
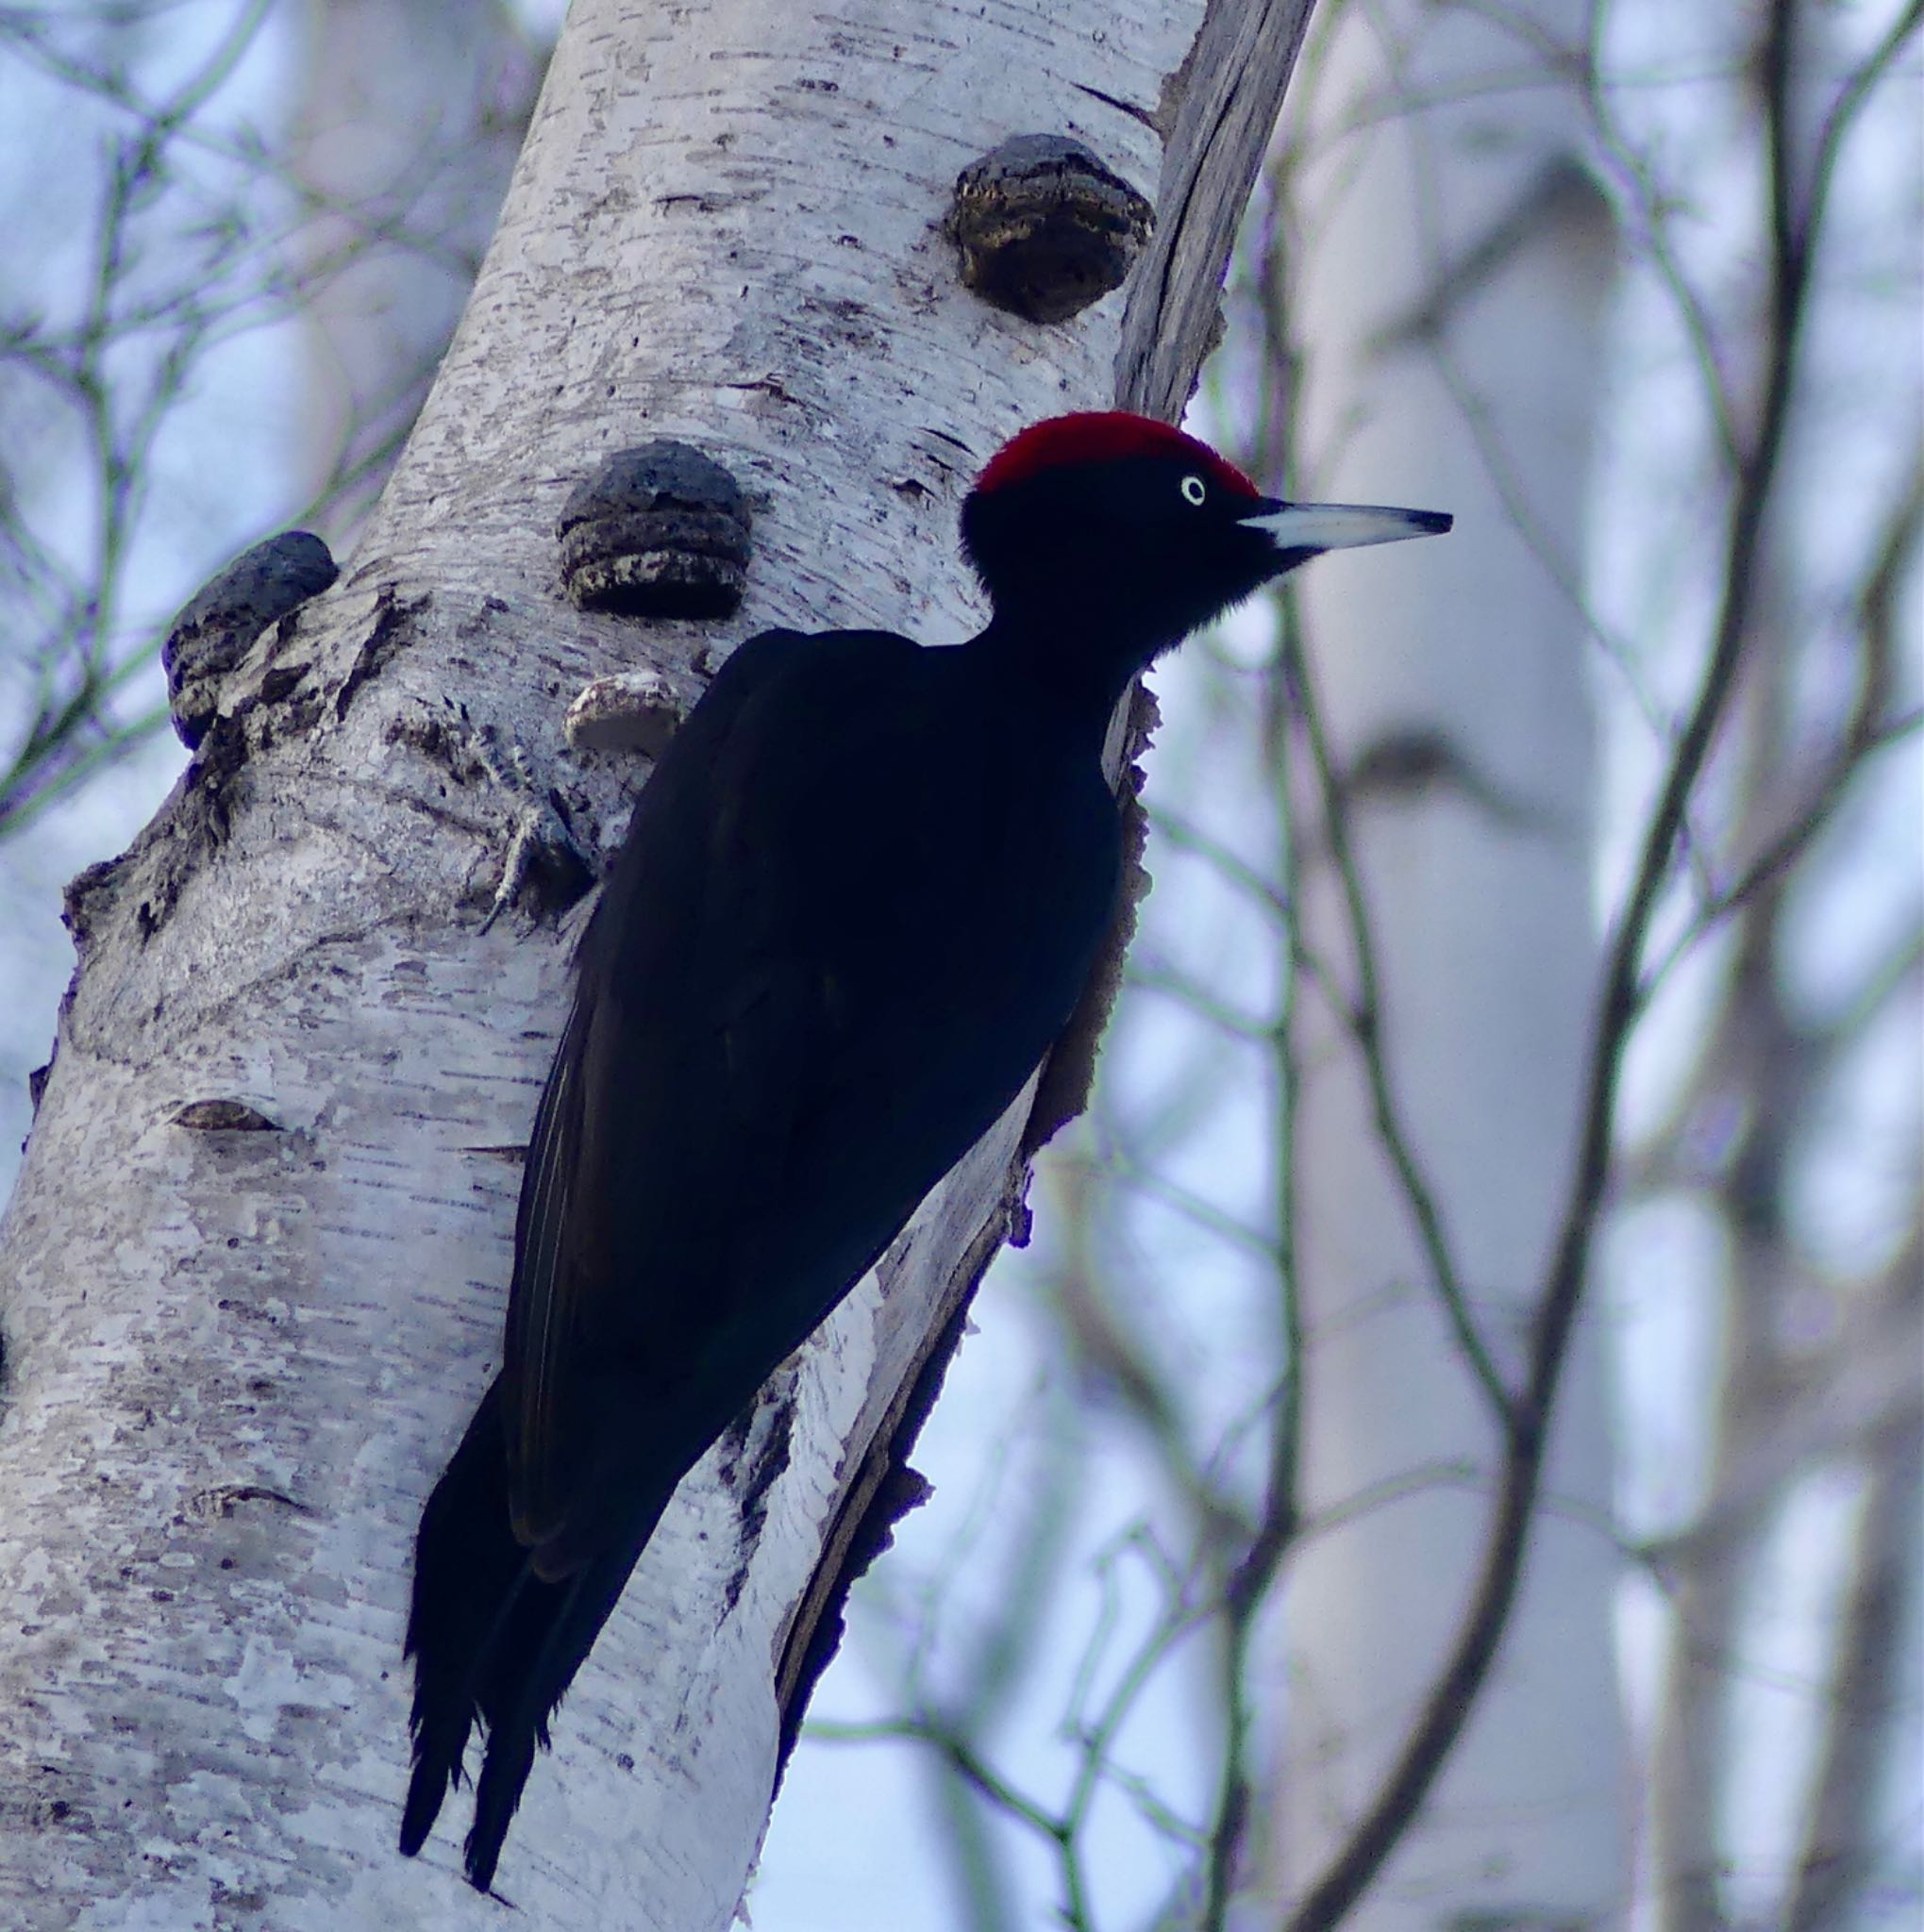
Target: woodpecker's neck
column 1066, row 668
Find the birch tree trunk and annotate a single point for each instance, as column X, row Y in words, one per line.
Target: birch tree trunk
column 240, row 1339
column 1452, row 270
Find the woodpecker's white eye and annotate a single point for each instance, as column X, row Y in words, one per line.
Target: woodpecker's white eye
column 1193, row 490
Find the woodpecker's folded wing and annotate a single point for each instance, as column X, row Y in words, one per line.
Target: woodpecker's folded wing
column 829, row 955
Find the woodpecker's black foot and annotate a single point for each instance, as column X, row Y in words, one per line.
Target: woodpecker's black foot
column 546, row 870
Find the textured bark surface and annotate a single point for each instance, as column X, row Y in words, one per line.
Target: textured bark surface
column 237, row 1356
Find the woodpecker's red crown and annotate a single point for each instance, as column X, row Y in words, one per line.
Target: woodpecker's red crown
column 1102, row 436
column 1104, row 538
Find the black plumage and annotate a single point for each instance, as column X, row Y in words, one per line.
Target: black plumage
column 858, row 901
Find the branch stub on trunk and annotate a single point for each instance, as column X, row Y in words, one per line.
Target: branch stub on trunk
column 658, row 531
column 1044, row 228
column 220, row 625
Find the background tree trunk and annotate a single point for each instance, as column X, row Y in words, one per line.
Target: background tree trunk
column 1449, row 274
column 235, row 1359
column 409, row 119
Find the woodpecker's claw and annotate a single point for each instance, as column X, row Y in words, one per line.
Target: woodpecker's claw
column 544, row 860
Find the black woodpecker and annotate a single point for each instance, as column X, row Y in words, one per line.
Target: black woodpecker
column 857, row 903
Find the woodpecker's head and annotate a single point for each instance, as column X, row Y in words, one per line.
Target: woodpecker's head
column 1131, row 527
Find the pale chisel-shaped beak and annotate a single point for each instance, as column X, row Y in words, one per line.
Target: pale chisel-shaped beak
column 1300, row 529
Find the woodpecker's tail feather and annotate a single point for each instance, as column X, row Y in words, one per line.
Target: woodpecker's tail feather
column 468, row 1569
column 545, row 1636
column 490, row 1640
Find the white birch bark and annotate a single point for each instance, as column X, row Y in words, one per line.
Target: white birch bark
column 1449, row 284
column 237, row 1360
